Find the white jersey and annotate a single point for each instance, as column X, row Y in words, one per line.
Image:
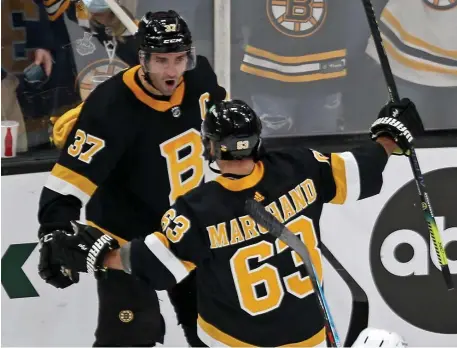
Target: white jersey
column 420, row 38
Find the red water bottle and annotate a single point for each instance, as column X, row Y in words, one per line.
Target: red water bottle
column 8, row 143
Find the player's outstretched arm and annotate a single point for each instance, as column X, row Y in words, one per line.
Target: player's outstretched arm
column 162, row 258
column 357, row 174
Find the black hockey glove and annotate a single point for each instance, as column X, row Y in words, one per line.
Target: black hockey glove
column 49, row 267
column 399, row 121
column 85, row 250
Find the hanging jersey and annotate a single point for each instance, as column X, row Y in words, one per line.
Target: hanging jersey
column 295, row 44
column 19, row 28
column 129, row 154
column 252, row 290
column 420, row 38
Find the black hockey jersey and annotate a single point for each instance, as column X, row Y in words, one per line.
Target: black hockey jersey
column 250, row 291
column 292, row 46
column 130, row 155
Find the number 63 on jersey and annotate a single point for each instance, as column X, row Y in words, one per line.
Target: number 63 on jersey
column 277, row 285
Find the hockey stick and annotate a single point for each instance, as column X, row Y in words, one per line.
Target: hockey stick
column 418, row 176
column 277, row 229
column 360, row 307
column 123, row 17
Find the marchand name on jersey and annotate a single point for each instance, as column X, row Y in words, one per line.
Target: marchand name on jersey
column 245, row 228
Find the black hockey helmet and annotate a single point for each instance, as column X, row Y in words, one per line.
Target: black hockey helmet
column 234, row 129
column 165, row 32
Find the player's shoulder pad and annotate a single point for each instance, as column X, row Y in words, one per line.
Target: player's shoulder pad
column 203, row 63
column 298, row 155
column 198, row 197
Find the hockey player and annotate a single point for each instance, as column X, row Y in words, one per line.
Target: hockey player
column 249, row 289
column 134, row 149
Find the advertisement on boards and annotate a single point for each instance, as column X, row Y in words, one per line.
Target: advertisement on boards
column 385, row 245
column 382, row 242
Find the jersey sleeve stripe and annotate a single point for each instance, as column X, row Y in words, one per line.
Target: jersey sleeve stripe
column 213, row 337
column 290, row 78
column 50, row 2
column 347, row 178
column 298, row 59
column 121, row 241
column 291, row 69
column 166, row 257
column 67, row 182
column 392, row 22
column 189, row 265
column 57, row 9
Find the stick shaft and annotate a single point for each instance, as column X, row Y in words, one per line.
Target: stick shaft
column 300, row 248
column 277, row 229
column 418, row 176
column 123, row 17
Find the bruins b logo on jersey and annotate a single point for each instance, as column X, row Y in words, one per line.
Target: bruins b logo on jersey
column 185, row 172
column 297, row 18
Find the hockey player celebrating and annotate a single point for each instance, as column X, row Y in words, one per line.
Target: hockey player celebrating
column 250, row 291
column 133, row 150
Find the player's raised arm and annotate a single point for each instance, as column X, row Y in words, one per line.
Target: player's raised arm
column 93, row 148
column 166, row 258
column 357, row 174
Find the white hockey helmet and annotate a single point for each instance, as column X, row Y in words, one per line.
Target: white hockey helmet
column 371, row 337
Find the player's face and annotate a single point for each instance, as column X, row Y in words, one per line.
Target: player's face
column 166, row 69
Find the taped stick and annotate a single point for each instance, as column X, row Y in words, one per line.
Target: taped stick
column 413, row 161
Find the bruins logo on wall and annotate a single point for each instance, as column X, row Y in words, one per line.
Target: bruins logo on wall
column 97, row 72
column 441, row 4
column 297, row 18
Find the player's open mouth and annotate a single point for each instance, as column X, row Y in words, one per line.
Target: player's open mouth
column 170, row 83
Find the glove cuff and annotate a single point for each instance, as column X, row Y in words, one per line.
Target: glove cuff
column 97, row 252
column 47, row 228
